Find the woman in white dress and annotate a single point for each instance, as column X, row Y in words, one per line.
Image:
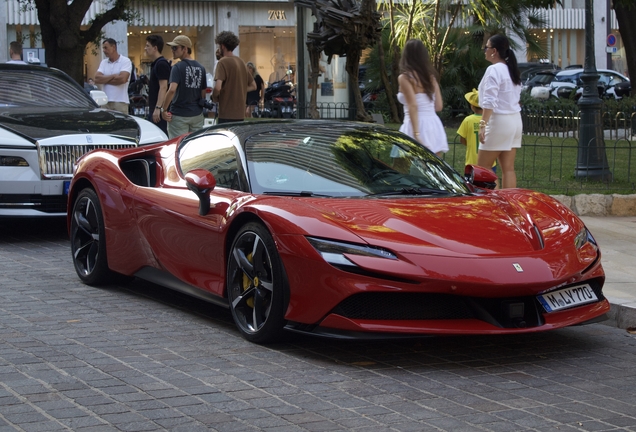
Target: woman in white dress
column 500, row 126
column 420, row 94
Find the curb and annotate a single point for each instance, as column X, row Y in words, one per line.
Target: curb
column 599, row 204
column 622, row 316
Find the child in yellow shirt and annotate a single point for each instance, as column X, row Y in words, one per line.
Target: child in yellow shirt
column 469, row 129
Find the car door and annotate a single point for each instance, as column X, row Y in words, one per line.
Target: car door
column 184, row 243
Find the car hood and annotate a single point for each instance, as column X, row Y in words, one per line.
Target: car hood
column 52, row 122
column 493, row 224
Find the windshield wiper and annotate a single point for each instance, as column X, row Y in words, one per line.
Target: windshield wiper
column 413, row 191
column 299, row 194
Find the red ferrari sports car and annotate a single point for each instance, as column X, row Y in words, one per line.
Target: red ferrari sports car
column 332, row 228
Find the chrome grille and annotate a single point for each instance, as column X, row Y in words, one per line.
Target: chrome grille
column 58, row 160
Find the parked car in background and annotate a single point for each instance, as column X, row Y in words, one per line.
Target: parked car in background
column 333, row 228
column 529, row 69
column 539, row 85
column 611, row 84
column 47, row 121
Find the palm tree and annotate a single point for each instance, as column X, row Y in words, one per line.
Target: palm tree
column 454, row 31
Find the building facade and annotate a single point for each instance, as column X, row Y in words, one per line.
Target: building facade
column 267, row 30
column 273, row 36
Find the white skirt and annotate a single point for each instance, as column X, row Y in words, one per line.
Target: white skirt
column 503, row 132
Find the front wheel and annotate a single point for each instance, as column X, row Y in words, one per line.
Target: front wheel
column 88, row 244
column 256, row 283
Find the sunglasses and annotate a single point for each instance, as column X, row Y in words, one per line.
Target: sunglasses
column 174, row 48
column 486, row 48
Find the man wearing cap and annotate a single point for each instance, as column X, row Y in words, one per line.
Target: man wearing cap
column 187, row 84
column 232, row 80
column 469, row 129
column 114, row 73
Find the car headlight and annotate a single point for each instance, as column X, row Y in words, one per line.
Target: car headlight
column 334, row 251
column 583, row 237
column 13, row 161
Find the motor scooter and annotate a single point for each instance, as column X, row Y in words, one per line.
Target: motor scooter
column 137, row 100
column 279, row 100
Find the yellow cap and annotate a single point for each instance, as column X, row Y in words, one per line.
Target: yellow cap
column 473, row 98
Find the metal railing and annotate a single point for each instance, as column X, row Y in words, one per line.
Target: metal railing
column 549, row 152
column 548, row 156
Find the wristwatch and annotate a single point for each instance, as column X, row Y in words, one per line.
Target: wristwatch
column 161, row 110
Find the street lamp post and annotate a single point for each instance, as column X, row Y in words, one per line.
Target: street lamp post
column 591, row 160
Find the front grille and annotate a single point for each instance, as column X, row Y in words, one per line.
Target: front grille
column 425, row 306
column 508, row 312
column 58, row 160
column 403, row 306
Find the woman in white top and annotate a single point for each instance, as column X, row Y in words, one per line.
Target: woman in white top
column 500, row 127
column 420, row 94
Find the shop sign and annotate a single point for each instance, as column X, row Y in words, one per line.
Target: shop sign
column 276, row 15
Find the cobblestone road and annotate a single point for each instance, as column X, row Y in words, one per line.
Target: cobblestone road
column 141, row 358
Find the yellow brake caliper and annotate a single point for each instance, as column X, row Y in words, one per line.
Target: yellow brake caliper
column 246, row 283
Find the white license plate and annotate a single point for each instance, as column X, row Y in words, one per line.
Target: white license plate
column 567, row 297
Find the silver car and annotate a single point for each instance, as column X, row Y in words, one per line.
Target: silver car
column 569, row 80
column 47, row 121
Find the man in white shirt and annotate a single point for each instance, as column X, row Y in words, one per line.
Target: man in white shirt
column 113, row 74
column 15, row 53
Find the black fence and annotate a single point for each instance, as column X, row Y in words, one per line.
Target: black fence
column 549, row 155
column 548, row 158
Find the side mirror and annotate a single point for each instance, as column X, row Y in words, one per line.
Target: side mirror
column 99, row 97
column 481, row 177
column 201, row 182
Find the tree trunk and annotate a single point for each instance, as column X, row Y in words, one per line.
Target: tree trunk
column 64, row 40
column 626, row 17
column 395, row 72
column 351, row 65
column 69, row 60
column 388, row 87
column 314, row 63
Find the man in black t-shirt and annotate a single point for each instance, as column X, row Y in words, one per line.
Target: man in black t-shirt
column 187, row 87
column 159, row 76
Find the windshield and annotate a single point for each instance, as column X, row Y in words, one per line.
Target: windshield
column 571, row 78
column 29, row 88
column 349, row 160
column 541, row 79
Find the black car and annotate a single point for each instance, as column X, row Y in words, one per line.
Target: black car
column 530, row 69
column 541, row 79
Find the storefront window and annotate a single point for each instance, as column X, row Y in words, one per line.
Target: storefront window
column 271, row 49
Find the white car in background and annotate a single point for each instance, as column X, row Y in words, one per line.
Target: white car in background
column 569, row 80
column 47, row 121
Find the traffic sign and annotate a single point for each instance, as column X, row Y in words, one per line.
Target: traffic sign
column 611, row 50
column 611, row 40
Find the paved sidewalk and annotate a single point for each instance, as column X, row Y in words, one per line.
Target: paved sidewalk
column 616, row 237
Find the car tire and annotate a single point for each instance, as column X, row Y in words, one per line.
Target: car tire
column 256, row 284
column 88, row 246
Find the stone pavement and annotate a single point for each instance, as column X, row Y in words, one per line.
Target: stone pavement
column 138, row 357
column 616, row 236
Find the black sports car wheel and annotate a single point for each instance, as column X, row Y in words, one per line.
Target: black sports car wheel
column 87, row 240
column 256, row 283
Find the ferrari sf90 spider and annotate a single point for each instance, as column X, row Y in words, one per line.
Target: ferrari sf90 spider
column 333, row 228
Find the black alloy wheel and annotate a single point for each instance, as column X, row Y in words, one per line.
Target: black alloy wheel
column 256, row 283
column 87, row 240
